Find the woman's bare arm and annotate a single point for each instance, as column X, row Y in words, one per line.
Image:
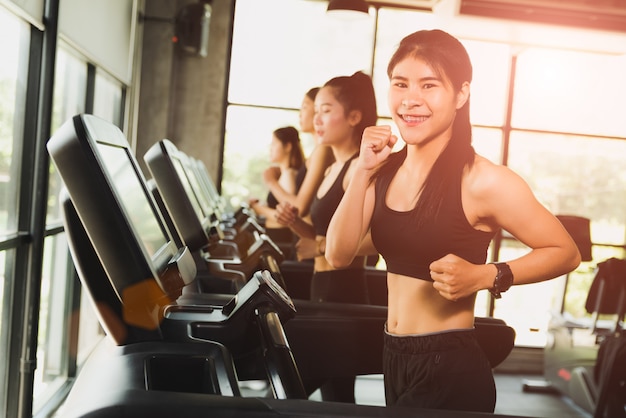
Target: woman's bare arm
column 504, row 200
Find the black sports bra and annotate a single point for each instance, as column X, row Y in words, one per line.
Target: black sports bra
column 408, row 249
column 322, row 209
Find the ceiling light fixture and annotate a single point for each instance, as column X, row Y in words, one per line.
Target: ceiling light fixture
column 348, row 9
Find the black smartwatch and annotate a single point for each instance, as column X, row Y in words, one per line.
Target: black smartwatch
column 503, row 280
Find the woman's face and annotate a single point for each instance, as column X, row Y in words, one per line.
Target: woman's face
column 331, row 124
column 279, row 154
column 422, row 104
column 307, row 112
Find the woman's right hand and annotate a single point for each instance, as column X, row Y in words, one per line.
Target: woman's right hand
column 376, row 145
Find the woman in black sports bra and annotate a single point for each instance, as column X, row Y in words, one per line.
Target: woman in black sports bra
column 344, row 106
column 431, row 210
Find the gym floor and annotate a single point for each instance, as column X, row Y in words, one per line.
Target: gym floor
column 512, row 400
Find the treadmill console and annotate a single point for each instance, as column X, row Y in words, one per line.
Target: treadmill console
column 260, row 290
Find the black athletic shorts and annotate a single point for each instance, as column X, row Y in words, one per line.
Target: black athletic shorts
column 444, row 370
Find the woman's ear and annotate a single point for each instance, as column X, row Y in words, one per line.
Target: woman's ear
column 354, row 117
column 463, row 95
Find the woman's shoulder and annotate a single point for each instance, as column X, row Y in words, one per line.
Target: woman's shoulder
column 492, row 189
column 322, row 153
column 485, row 177
column 321, row 158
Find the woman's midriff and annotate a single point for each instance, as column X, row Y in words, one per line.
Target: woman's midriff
column 415, row 307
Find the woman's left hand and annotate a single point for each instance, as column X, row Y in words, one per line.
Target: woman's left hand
column 455, row 278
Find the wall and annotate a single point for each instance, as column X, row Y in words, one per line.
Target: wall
column 183, row 97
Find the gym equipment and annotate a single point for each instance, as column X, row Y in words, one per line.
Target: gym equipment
column 586, row 359
column 183, row 353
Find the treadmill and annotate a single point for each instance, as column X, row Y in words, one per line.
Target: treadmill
column 585, row 358
column 168, row 353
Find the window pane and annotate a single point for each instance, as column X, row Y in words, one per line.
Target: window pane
column 13, row 74
column 574, row 175
column 491, row 66
column 569, row 91
column 89, row 330
column 70, row 85
column 69, row 99
column 246, row 151
column 52, row 353
column 52, row 344
column 488, row 143
column 570, row 175
column 526, row 308
column 108, row 99
column 6, row 281
column 13, row 71
column 293, row 47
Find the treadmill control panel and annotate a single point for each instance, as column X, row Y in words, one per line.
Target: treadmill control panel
column 267, row 278
column 262, row 289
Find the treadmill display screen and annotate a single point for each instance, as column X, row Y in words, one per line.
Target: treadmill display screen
column 133, row 197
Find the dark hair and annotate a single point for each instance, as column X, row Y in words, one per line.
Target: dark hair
column 289, row 135
column 448, row 58
column 356, row 92
column 312, row 93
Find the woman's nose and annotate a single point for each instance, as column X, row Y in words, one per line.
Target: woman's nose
column 409, row 103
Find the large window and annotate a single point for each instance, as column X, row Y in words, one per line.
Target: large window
column 37, row 278
column 56, row 286
column 12, row 91
column 272, row 83
column 13, row 70
column 559, row 97
column 64, row 343
column 563, row 104
column 108, row 98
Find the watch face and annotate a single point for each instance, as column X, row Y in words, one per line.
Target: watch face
column 504, row 277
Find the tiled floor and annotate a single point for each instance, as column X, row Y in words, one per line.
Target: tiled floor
column 512, row 400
